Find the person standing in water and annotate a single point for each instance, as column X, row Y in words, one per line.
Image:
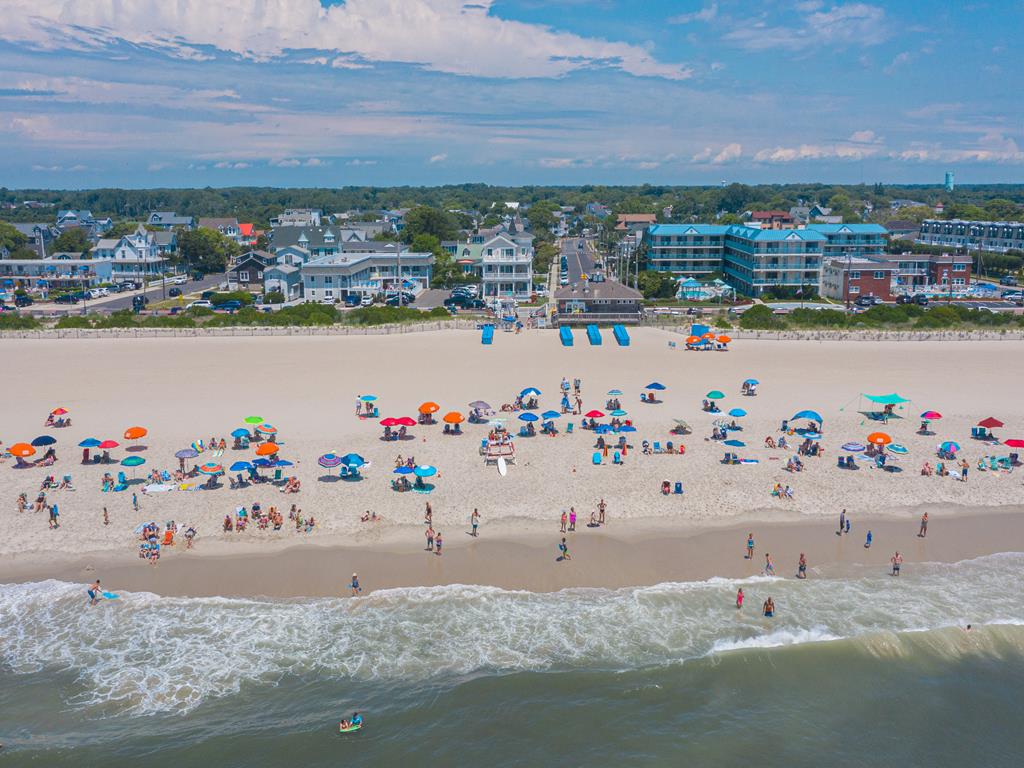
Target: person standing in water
column 842, row 522
column 572, row 518
column 897, row 561
column 474, row 521
column 739, row 599
column 750, row 546
column 768, row 609
column 801, row 568
column 356, row 589
column 430, row 539
column 93, row 590
column 923, row 530
column 769, row 567
column 437, row 544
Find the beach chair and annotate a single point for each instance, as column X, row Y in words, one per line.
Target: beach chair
column 278, row 475
column 617, row 458
column 842, row 462
column 596, row 458
column 343, row 471
column 1014, row 459
column 678, row 487
column 669, row 448
column 622, row 442
column 656, row 447
column 978, row 433
column 568, row 428
column 524, row 432
column 992, row 463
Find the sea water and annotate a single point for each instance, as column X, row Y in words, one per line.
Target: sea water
column 866, row 670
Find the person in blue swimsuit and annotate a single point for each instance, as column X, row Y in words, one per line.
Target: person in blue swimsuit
column 769, row 608
column 356, row 589
column 93, row 590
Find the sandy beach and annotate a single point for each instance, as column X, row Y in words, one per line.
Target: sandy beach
column 182, row 390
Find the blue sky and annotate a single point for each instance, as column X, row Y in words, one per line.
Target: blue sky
column 303, row 93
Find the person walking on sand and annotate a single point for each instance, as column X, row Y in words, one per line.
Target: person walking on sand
column 847, row 524
column 428, row 515
column 564, row 519
column 739, row 598
column 897, row 561
column 356, row 589
column 572, row 519
column 601, row 507
column 750, row 546
column 801, row 568
column 964, row 466
column 842, row 522
column 430, row 538
column 437, row 544
column 563, row 550
column 769, row 567
column 474, row 520
column 867, row 541
column 923, row 530
column 106, row 517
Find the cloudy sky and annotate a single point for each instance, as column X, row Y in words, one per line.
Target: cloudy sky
column 337, row 92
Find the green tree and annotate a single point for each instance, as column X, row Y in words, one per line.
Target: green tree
column 122, row 228
column 72, row 240
column 424, row 220
column 10, row 238
column 657, row 285
column 760, row 317
column 206, row 250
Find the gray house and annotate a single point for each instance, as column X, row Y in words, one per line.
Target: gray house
column 284, row 278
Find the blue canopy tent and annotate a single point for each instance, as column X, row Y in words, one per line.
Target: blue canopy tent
column 812, row 415
column 548, row 415
column 530, row 392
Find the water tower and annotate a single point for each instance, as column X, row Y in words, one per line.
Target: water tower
column 949, row 182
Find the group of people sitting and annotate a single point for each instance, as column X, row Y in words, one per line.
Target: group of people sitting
column 783, row 492
column 57, row 422
column 647, row 398
column 613, row 404
column 771, row 442
column 942, row 470
column 99, row 458
column 648, row 450
column 810, row 448
column 794, row 464
column 452, row 429
column 50, row 483
column 395, row 434
column 263, row 521
column 709, row 406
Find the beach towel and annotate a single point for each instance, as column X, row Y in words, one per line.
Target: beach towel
column 158, row 488
column 748, row 461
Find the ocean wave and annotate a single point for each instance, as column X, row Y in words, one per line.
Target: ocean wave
column 146, row 654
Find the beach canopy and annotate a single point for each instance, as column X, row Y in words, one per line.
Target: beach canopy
column 241, row 466
column 89, row 442
column 950, row 447
column 879, row 438
column 752, row 382
column 211, row 469
column 42, row 440
column 550, row 415
column 21, row 450
column 108, row 444
column 353, row 460
column 530, row 391
column 134, row 433
column 737, row 413
column 528, row 416
column 898, row 449
column 186, row 453
column 480, row 405
column 329, row 461
column 594, row 414
column 890, row 399
column 253, row 419
column 133, row 461
column 735, row 443
column 990, row 423
column 240, row 432
column 615, row 392
column 58, row 411
column 429, row 407
column 367, row 398
column 627, row 428
column 1014, row 443
column 453, row 417
column 618, row 413
column 812, row 415
column 425, row 470
column 656, row 386
column 267, row 449
column 403, row 470
column 405, row 421
column 854, row 447
column 931, row 415
column 267, row 429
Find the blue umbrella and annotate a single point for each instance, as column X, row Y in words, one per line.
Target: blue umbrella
column 736, row 443
column 528, row 416
column 627, row 428
column 551, row 415
column 367, row 398
column 403, row 470
column 615, row 392
column 353, row 460
column 133, row 461
column 281, row 463
column 530, row 391
column 425, row 470
column 812, row 415
column 241, row 466
column 752, row 382
column 898, row 449
column 186, row 453
column 603, row 429
column 655, row 385
column 618, row 412
column 261, row 462
column 44, row 440
column 737, row 413
column 240, row 432
column 89, row 442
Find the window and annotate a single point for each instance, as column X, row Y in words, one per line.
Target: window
column 959, row 267
column 879, row 275
column 854, row 289
column 243, row 276
column 328, row 279
column 855, row 275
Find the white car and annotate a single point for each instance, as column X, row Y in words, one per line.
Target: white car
column 564, row 281
column 366, row 301
column 180, row 280
column 96, row 293
column 200, row 304
column 328, row 300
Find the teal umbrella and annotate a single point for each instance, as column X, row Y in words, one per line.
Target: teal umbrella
column 133, row 461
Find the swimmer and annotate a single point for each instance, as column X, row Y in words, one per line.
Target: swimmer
column 739, row 598
column 768, row 609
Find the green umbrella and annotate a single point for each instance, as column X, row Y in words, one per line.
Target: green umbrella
column 714, row 394
column 133, row 461
column 253, row 419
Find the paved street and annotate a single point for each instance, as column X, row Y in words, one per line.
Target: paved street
column 118, row 301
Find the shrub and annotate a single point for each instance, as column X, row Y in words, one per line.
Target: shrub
column 12, row 321
column 244, row 297
column 760, row 317
column 938, row 317
column 831, row 318
column 74, row 321
column 274, row 297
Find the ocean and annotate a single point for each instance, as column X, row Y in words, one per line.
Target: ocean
column 860, row 671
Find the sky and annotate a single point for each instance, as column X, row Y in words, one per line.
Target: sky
column 147, row 93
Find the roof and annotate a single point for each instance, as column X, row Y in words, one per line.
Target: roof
column 853, row 229
column 775, row 235
column 902, row 225
column 623, row 220
column 263, row 257
column 361, row 260
column 284, row 269
column 164, row 238
column 315, row 237
column 169, row 218
column 861, row 262
column 687, row 229
column 770, row 215
column 607, row 289
column 217, row 223
column 246, row 229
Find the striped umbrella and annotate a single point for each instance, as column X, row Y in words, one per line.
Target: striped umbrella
column 329, row 461
column 267, row 429
column 211, row 469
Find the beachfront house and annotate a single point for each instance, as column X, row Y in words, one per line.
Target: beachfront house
column 317, row 241
column 226, row 226
column 247, row 272
column 60, row 271
column 998, row 236
column 603, row 301
column 690, row 250
column 134, row 257
column 847, row 279
column 503, row 262
column 283, row 278
column 760, row 259
column 333, row 278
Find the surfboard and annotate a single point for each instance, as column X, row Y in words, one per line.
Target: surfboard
column 350, row 729
column 111, row 595
column 502, row 466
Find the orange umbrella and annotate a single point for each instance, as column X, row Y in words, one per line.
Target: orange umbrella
column 708, row 335
column 21, row 450
column 429, row 407
column 454, row 418
column 134, row 433
column 879, row 438
column 692, row 339
column 724, row 339
column 58, row 411
column 267, row 449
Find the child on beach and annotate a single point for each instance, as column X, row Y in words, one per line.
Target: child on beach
column 563, row 550
column 564, row 518
column 474, row 521
column 739, row 598
column 750, row 546
column 572, row 518
column 801, row 568
column 769, row 567
column 867, row 541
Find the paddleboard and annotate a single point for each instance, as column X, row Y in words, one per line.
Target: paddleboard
column 502, row 466
column 111, row 595
column 350, row 729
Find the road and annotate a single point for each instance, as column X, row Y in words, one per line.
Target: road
column 580, row 262
column 118, row 301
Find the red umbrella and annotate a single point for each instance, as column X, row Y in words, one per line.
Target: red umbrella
column 389, row 422
column 595, row 414
column 1014, row 443
column 406, row 421
column 108, row 444
column 990, row 423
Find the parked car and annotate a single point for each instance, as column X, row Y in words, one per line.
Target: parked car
column 1007, row 280
column 904, row 299
column 66, row 298
column 366, row 301
column 921, row 300
column 352, row 300
column 229, row 306
column 200, row 304
column 175, row 291
column 179, row 280
column 207, row 294
column 563, row 281
column 22, row 301
column 864, row 301
column 328, row 300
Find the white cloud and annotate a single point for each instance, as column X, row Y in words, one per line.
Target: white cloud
column 897, row 61
column 864, row 137
column 813, row 152
column 440, row 158
column 704, row 14
column 52, row 168
column 730, row 153
column 314, row 162
column 853, row 24
column 154, row 167
column 358, row 162
column 443, row 35
column 289, row 162
column 227, row 164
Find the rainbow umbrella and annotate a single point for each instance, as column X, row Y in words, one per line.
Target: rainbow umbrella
column 211, row 469
column 329, row 461
column 267, row 429
column 198, row 446
column 950, row 447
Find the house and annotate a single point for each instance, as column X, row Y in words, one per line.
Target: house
column 247, row 272
column 772, row 219
column 166, row 241
column 605, row 301
column 298, row 217
column 901, row 202
column 801, row 214
column 59, row 271
column 226, row 226
column 332, row 278
column 169, row 220
column 134, row 257
column 85, row 220
column 598, row 210
column 631, row 222
column 283, row 278
column 847, row 279
column 319, row 241
column 998, row 236
column 503, row 262
column 248, row 234
column 903, row 229
column 37, row 236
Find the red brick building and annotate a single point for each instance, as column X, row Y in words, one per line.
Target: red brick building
column 772, row 219
column 849, row 279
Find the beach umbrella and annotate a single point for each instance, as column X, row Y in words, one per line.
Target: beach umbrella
column 812, row 436
column 812, row 415
column 594, row 414
column 253, row 419
column 329, row 461
column 276, row 462
column 267, row 429
column 240, row 432
column 267, row 449
column 931, row 415
column 186, row 453
column 990, row 423
column 241, row 466
column 615, row 392
column 106, row 445
column 89, row 442
column 1014, row 443
column 707, row 336
column 950, row 447
column 693, row 339
column 211, row 469
column 854, row 447
column 402, row 470
column 134, row 433
column 133, row 461
column 390, row 421
column 627, row 428
column 737, row 413
column 453, row 417
column 714, row 394
column 530, row 392
column 898, row 449
column 618, row 413
column 656, row 386
column 353, row 460
column 736, row 443
column 528, row 416
column 480, row 405
column 724, row 339
column 603, row 429
column 406, row 421
column 198, row 446
column 752, row 382
column 879, row 438
column 425, row 470
column 367, row 398
column 429, row 407
column 58, row 411
column 42, row 440
column 263, row 462
column 497, row 422
column 550, row 415
column 21, row 450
